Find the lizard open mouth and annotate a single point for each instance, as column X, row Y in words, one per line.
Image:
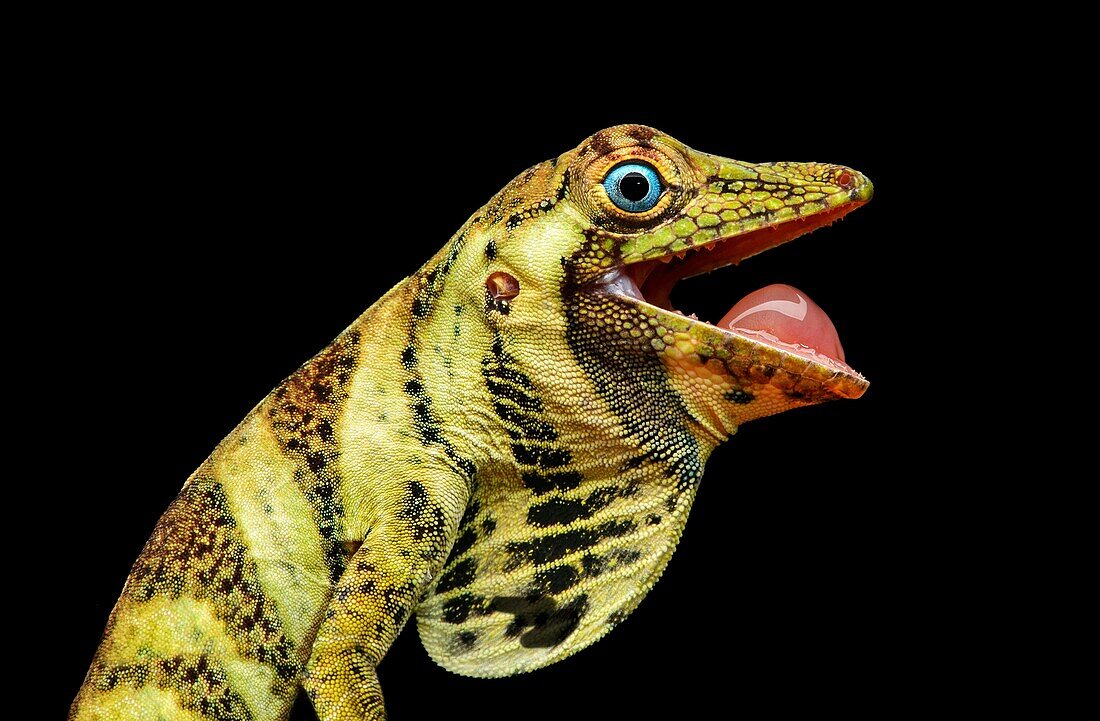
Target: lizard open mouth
column 779, row 316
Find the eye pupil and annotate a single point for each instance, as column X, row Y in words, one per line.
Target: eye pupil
column 634, row 186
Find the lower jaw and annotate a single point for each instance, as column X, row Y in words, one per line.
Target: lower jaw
column 750, row 359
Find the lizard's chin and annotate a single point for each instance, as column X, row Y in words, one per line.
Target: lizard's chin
column 777, row 326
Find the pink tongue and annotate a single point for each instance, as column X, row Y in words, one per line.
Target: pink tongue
column 787, row 314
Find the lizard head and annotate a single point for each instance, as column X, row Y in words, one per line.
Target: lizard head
column 619, row 220
column 609, row 400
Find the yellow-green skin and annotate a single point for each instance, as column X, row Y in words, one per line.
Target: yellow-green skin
column 516, row 471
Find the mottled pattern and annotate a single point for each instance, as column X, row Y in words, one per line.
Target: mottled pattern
column 505, row 444
column 196, row 550
column 199, row 684
column 303, row 413
column 196, row 553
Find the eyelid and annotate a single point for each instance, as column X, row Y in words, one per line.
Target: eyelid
column 636, row 161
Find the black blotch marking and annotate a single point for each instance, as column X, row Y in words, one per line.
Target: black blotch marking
column 491, row 249
column 512, row 402
column 652, row 519
column 466, row 639
column 563, row 511
column 558, row 626
column 460, row 575
column 593, row 565
column 516, row 395
column 503, row 372
column 464, row 542
column 543, row 483
column 426, row 519
column 546, row 549
column 563, row 189
column 550, row 623
column 397, row 600
column 556, row 579
column 530, row 426
column 525, row 610
column 739, row 396
column 408, row 357
column 625, row 556
column 472, row 509
column 459, row 608
column 542, row 457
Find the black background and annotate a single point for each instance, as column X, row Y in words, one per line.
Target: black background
column 221, row 226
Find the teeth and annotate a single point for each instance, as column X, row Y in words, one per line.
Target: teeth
column 620, row 283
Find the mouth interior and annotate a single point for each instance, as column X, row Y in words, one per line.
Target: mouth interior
column 778, row 315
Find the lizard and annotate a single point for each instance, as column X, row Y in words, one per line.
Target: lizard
column 506, row 444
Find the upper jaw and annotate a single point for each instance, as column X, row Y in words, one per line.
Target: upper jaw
column 660, row 273
column 723, row 209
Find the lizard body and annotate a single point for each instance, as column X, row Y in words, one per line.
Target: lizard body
column 507, row 443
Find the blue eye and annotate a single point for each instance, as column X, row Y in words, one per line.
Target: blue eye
column 634, row 187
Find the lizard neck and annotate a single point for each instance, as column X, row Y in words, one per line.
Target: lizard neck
column 416, row 394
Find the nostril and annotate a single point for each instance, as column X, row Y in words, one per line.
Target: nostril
column 502, row 286
column 845, row 180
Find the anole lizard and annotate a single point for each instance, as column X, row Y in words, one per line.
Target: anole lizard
column 507, row 444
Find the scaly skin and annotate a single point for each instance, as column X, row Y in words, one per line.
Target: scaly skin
column 517, row 470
